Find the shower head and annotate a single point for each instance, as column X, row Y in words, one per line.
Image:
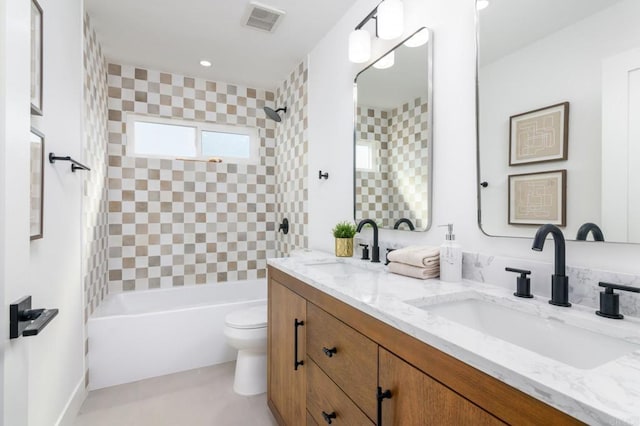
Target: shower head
column 273, row 114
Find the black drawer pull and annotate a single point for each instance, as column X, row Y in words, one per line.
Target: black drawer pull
column 327, row 417
column 296, row 363
column 330, row 352
column 380, row 396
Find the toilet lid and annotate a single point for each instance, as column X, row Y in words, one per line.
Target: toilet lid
column 254, row 317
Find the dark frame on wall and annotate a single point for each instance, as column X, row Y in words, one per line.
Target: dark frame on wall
column 36, row 185
column 37, row 39
column 539, row 136
column 547, row 190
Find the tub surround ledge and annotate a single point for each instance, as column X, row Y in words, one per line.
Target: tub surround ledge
column 606, row 394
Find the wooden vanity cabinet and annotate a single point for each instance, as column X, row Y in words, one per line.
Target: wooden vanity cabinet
column 349, row 357
column 286, row 365
column 417, row 399
column 346, row 356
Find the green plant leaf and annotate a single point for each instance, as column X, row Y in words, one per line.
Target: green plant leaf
column 344, row 230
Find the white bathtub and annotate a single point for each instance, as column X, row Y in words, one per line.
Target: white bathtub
column 142, row 334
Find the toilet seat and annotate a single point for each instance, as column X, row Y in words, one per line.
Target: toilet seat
column 250, row 318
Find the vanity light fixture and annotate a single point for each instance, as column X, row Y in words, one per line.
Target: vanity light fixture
column 386, row 61
column 482, row 4
column 205, row 63
column 389, row 17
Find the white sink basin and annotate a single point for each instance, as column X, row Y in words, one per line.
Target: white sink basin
column 337, row 268
column 571, row 345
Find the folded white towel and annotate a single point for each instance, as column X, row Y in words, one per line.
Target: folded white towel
column 414, row 271
column 419, row 256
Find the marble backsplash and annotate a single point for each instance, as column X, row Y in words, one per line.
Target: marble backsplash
column 583, row 282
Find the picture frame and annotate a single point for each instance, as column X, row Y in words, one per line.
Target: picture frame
column 36, row 57
column 36, row 184
column 538, row 198
column 539, row 136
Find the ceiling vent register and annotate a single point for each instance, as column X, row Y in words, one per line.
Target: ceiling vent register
column 262, row 17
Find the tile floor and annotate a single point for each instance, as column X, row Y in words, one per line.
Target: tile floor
column 201, row 397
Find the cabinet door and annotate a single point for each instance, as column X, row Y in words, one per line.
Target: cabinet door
column 286, row 380
column 417, row 399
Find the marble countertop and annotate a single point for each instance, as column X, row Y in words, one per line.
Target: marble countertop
column 608, row 394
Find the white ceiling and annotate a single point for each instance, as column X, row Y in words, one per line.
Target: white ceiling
column 174, row 35
column 508, row 25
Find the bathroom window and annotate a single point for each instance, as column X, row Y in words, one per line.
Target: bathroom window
column 367, row 156
column 171, row 138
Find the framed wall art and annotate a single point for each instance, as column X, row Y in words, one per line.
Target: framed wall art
column 36, row 215
column 36, row 58
column 540, row 135
column 538, row 198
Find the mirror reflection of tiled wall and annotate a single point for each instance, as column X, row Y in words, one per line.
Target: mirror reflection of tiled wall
column 398, row 188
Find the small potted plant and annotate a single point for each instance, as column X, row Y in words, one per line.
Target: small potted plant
column 344, row 233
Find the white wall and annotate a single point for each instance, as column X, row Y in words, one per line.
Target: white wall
column 454, row 200
column 14, row 157
column 564, row 66
column 42, row 372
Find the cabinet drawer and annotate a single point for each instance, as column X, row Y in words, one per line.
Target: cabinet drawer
column 325, row 396
column 346, row 356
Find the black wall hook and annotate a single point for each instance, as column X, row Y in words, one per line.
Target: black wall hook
column 324, row 175
column 75, row 165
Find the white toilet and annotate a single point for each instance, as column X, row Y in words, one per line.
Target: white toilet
column 246, row 331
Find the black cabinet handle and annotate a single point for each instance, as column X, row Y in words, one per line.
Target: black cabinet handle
column 328, row 416
column 329, row 352
column 296, row 363
column 379, row 397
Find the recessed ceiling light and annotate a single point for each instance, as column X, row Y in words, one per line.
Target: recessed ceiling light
column 205, row 63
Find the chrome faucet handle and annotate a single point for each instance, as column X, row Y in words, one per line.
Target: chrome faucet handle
column 610, row 301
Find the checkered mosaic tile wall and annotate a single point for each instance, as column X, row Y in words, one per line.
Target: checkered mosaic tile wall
column 408, row 162
column 95, row 229
column 402, row 134
column 174, row 222
column 292, row 166
column 372, row 187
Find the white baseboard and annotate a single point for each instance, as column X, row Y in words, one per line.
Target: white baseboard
column 70, row 412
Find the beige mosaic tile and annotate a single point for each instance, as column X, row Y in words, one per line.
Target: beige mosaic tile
column 174, row 222
column 292, row 166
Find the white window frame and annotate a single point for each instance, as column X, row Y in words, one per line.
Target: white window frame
column 374, row 149
column 200, row 126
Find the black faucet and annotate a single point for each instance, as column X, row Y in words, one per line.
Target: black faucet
column 590, row 227
column 375, row 250
column 404, row 220
column 559, row 280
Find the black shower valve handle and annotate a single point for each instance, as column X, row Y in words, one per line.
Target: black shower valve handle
column 284, row 226
column 324, row 175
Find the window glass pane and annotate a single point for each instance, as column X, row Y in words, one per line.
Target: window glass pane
column 165, row 140
column 219, row 144
column 364, row 157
